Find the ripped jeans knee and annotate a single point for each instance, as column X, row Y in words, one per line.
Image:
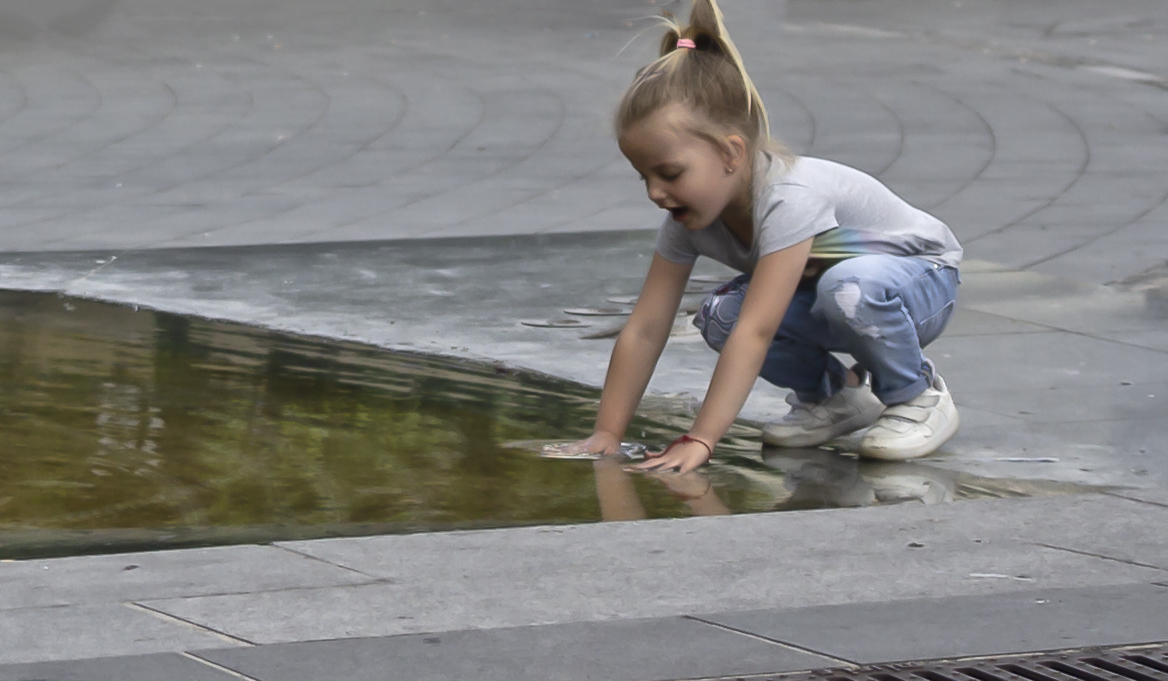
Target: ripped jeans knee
column 844, row 302
column 719, row 313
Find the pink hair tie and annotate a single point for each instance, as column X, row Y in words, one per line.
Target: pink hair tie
column 686, row 43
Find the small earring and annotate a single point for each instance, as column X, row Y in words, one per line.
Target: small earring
column 729, row 170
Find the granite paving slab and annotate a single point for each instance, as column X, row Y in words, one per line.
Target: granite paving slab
column 630, row 650
column 1121, row 452
column 1121, row 400
column 968, row 626
column 523, row 576
column 967, row 321
column 1158, row 496
column 1119, row 529
column 102, row 630
column 155, row 667
column 159, row 574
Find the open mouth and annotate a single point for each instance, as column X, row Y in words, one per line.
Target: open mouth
column 679, row 214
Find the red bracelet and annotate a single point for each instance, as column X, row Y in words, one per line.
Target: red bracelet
column 686, row 439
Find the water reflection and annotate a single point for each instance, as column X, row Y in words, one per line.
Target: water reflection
column 817, row 478
column 116, row 419
column 801, row 479
column 127, row 429
column 617, row 494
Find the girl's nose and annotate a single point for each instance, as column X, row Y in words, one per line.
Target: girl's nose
column 656, row 192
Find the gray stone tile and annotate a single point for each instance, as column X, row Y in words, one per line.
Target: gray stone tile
column 161, row 574
column 631, row 650
column 973, row 418
column 1063, row 403
column 968, row 626
column 970, row 322
column 962, row 165
column 973, row 214
column 1110, row 260
column 1110, row 528
column 1040, row 361
column 1110, row 453
column 1133, row 534
column 926, row 193
column 1024, row 244
column 1152, row 496
column 972, row 267
column 157, row 667
column 68, row 633
column 1104, row 310
column 516, row 577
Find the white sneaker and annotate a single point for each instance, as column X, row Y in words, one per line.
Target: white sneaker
column 913, row 429
column 812, row 423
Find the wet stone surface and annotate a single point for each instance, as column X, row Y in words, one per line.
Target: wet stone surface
column 127, row 428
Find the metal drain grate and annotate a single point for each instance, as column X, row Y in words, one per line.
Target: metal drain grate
column 1129, row 663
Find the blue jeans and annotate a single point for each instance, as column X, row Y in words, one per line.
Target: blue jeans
column 880, row 309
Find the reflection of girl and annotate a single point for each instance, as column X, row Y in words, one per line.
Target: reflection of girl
column 815, row 478
column 618, row 498
column 808, row 478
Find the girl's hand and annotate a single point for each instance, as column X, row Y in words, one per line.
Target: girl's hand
column 685, row 454
column 605, row 444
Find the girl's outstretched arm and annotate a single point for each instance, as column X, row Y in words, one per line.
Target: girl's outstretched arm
column 771, row 288
column 635, row 355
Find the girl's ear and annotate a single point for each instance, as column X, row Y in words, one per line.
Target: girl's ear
column 734, row 152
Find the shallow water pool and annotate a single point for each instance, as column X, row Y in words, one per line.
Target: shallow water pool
column 129, row 429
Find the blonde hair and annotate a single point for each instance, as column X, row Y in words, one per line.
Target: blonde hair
column 709, row 78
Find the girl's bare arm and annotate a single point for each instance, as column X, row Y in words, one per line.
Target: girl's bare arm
column 636, row 352
column 771, row 288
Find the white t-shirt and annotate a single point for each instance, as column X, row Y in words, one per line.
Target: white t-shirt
column 849, row 213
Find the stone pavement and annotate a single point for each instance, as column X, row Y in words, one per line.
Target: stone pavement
column 658, row 599
column 285, row 129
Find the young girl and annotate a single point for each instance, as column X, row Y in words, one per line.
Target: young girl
column 832, row 261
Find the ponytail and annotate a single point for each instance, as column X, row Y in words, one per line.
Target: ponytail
column 709, row 77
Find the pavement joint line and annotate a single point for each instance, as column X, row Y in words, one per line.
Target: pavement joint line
column 900, row 132
column 173, row 619
column 217, row 667
column 1052, row 328
column 22, row 608
column 1045, row 58
column 318, row 559
column 810, row 651
column 1138, row 217
column 1134, row 563
column 283, row 589
column 1079, row 173
column 1135, row 499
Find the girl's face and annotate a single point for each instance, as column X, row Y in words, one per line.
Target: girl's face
column 687, row 175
